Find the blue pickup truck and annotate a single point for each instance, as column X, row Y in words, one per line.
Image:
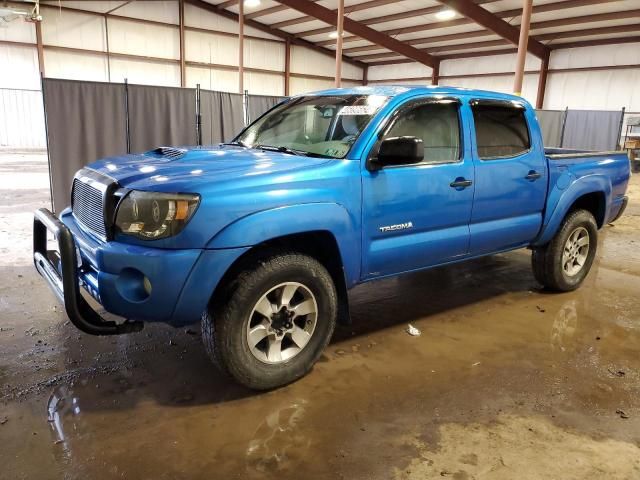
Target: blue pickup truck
column 260, row 238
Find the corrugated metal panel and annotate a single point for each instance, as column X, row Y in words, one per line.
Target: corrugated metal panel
column 127, row 36
column 21, row 119
column 304, row 85
column 305, row 60
column 213, row 79
column 74, row 30
column 145, row 72
column 264, row 83
column 597, row 90
column 75, row 66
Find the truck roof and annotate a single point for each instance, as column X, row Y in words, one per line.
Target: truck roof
column 401, row 90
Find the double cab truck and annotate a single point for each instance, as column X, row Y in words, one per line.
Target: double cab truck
column 260, row 238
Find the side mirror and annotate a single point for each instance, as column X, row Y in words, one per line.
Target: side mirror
column 398, row 151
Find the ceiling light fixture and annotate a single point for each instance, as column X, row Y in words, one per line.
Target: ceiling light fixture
column 334, row 34
column 447, row 14
column 251, row 3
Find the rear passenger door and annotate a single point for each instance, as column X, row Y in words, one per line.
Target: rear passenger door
column 510, row 176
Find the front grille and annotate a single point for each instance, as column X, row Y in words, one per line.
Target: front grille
column 87, row 206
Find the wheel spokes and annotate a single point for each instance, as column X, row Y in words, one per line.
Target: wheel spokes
column 265, row 308
column 257, row 333
column 583, row 241
column 575, row 251
column 274, row 350
column 300, row 336
column 574, row 236
column 304, row 308
column 288, row 291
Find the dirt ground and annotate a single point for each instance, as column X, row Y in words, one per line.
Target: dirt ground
column 506, row 381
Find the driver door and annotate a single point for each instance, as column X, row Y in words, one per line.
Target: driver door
column 415, row 216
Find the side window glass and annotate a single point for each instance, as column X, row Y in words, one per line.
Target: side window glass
column 501, row 130
column 437, row 125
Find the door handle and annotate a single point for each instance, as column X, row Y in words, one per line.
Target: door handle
column 461, row 182
column 533, row 175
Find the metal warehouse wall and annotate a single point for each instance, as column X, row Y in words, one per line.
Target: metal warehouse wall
column 21, row 110
column 211, row 60
column 579, row 89
column 211, row 57
column 21, row 119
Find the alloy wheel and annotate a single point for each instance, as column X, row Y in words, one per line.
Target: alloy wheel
column 282, row 322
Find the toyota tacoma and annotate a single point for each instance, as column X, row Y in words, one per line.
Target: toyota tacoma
column 260, row 238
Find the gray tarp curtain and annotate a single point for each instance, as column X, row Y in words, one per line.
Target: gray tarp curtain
column 258, row 104
column 222, row 116
column 551, row 126
column 581, row 129
column 592, row 129
column 161, row 116
column 85, row 121
column 231, row 118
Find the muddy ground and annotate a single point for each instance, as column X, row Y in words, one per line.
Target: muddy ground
column 506, row 381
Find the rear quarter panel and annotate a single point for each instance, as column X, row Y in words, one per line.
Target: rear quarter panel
column 573, row 175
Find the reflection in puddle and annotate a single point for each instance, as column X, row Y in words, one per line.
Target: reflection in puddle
column 61, row 406
column 279, row 442
column 564, row 326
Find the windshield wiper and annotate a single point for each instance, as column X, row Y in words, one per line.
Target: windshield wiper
column 290, row 151
column 274, row 148
column 238, row 143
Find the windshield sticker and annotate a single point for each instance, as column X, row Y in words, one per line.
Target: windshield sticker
column 335, row 152
column 358, row 110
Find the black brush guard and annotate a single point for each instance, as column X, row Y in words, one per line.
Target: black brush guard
column 67, row 285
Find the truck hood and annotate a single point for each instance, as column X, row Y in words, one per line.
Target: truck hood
column 187, row 169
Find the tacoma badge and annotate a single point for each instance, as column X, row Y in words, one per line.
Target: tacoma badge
column 399, row 226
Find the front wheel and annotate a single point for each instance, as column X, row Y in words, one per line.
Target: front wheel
column 564, row 262
column 279, row 316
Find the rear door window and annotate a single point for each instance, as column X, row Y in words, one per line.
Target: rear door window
column 501, row 129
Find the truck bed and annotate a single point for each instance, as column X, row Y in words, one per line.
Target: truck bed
column 574, row 173
column 565, row 153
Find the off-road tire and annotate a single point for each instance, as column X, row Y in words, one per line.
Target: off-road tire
column 547, row 260
column 224, row 324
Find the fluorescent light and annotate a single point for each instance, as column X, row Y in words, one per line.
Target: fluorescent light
column 334, row 34
column 447, row 14
column 251, row 3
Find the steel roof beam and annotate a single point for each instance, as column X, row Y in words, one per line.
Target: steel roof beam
column 328, row 16
column 271, row 31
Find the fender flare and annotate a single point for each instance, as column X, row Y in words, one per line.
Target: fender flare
column 564, row 200
column 277, row 222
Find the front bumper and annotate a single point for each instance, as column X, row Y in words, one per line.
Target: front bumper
column 147, row 284
column 60, row 270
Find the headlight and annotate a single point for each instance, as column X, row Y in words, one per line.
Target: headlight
column 151, row 215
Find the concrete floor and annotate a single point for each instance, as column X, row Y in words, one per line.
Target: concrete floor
column 506, row 381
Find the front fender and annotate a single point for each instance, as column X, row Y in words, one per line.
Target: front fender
column 308, row 217
column 561, row 198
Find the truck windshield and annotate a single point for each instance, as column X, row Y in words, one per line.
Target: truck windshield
column 315, row 126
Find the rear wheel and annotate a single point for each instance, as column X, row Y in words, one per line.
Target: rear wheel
column 565, row 261
column 279, row 316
